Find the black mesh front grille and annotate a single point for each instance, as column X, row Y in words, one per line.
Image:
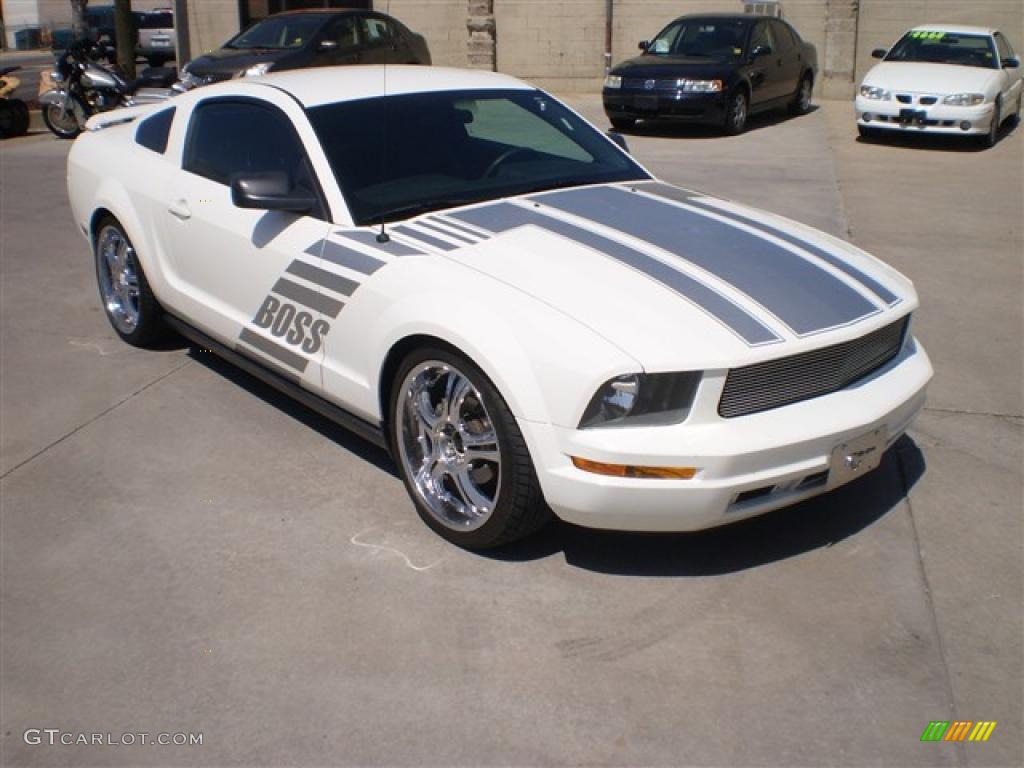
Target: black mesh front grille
column 775, row 383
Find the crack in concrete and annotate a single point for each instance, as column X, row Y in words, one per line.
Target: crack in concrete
column 964, row 412
column 93, row 420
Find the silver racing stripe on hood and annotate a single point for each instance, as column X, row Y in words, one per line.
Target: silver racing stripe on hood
column 802, row 295
column 501, row 217
column 691, row 198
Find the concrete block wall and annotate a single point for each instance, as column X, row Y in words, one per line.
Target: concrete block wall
column 441, row 22
column 211, row 23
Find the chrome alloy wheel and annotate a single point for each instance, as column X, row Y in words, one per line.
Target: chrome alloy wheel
column 448, row 445
column 118, row 272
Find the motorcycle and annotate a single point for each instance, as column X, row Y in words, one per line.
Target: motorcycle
column 85, row 87
column 13, row 112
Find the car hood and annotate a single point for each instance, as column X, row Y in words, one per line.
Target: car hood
column 675, row 66
column 930, row 78
column 229, row 60
column 677, row 279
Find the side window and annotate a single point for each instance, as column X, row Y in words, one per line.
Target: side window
column 761, row 36
column 152, row 132
column 377, row 30
column 782, row 36
column 230, row 137
column 1003, row 46
column 344, row 32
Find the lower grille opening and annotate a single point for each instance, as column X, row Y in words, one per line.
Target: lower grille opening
column 755, row 493
column 813, row 481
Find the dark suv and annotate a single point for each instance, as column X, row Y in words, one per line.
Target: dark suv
column 297, row 39
column 713, row 69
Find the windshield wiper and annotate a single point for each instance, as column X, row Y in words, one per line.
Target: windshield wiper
column 408, row 211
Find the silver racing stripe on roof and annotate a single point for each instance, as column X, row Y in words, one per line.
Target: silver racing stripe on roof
column 691, row 198
column 805, row 297
column 501, row 217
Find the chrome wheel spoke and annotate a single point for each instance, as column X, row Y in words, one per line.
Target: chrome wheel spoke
column 481, row 447
column 473, row 497
column 118, row 278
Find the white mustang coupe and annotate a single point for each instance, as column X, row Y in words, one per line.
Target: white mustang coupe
column 459, row 268
column 954, row 80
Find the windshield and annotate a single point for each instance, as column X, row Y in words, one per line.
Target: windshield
column 279, row 32
column 398, row 156
column 945, row 48
column 706, row 38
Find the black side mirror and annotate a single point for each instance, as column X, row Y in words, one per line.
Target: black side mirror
column 761, row 50
column 327, row 45
column 1011, row 63
column 619, row 139
column 643, row 45
column 270, row 191
column 879, row 53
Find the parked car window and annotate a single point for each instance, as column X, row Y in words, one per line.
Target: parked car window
column 279, row 32
column 154, row 20
column 702, row 39
column 936, row 47
column 376, row 30
column 783, row 36
column 400, row 155
column 1003, row 46
column 152, row 132
column 344, row 31
column 231, row 137
column 761, row 36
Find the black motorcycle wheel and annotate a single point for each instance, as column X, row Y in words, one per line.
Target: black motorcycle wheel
column 63, row 126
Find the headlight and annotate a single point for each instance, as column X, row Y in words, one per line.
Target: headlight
column 700, row 86
column 257, row 69
column 613, row 81
column 964, row 99
column 874, row 92
column 639, row 399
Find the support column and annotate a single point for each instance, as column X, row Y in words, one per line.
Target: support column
column 482, row 44
column 840, row 56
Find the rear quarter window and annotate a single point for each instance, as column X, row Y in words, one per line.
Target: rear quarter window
column 152, row 132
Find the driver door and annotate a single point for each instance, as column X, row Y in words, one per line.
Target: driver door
column 245, row 275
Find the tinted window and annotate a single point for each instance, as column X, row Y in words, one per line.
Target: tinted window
column 377, row 30
column 1003, row 45
column 155, row 20
column 938, row 47
column 227, row 138
column 152, row 132
column 761, row 36
column 279, row 32
column 783, row 36
column 706, row 38
column 343, row 31
column 397, row 156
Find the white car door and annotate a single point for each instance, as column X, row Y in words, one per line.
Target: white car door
column 248, row 277
column 1011, row 76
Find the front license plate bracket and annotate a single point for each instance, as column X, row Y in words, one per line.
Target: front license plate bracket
column 856, row 457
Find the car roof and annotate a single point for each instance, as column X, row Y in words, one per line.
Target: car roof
column 327, row 85
column 954, row 29
column 723, row 16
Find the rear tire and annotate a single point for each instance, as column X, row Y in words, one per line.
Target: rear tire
column 622, row 123
column 736, row 112
column 801, row 103
column 13, row 118
column 128, row 301
column 460, row 452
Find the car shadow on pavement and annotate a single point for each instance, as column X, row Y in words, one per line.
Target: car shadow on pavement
column 668, row 129
column 345, row 439
column 939, row 142
column 813, row 524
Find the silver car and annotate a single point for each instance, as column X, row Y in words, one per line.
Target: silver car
column 156, row 36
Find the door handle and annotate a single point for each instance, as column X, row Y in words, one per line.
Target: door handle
column 179, row 209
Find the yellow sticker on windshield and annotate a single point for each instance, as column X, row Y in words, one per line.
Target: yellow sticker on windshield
column 737, row 51
column 924, row 34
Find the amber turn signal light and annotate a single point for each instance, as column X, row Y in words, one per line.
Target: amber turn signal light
column 624, row 470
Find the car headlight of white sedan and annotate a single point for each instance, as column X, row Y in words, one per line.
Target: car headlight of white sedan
column 875, row 93
column 964, row 99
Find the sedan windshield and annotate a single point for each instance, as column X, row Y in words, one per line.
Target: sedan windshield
column 398, row 156
column 279, row 32
column 706, row 38
column 945, row 48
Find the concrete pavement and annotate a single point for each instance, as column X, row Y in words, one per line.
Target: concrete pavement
column 184, row 551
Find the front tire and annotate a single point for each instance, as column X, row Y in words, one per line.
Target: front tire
column 736, row 112
column 64, row 126
column 460, row 452
column 869, row 134
column 992, row 137
column 128, row 301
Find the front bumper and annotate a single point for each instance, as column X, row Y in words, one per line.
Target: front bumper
column 938, row 118
column 747, row 465
column 637, row 104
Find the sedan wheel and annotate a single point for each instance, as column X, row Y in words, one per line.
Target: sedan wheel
column 127, row 299
column 461, row 454
column 736, row 113
column 992, row 138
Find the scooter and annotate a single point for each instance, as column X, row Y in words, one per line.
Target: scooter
column 85, row 87
column 13, row 112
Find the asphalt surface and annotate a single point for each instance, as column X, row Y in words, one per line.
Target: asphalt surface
column 185, row 551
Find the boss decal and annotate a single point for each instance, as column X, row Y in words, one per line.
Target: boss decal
column 296, row 326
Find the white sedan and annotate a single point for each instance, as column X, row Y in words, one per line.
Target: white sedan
column 461, row 269
column 940, row 79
